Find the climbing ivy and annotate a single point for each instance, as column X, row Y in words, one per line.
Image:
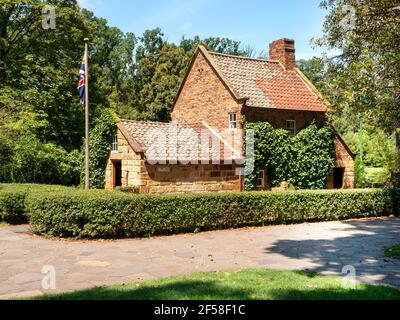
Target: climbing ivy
column 304, row 160
column 100, row 146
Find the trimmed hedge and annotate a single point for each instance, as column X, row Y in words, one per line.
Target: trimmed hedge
column 98, row 214
column 69, row 212
column 13, row 200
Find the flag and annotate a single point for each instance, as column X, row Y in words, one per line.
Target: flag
column 82, row 82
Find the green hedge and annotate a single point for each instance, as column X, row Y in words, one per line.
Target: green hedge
column 99, row 214
column 13, row 200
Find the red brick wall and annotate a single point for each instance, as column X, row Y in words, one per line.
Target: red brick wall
column 283, row 50
column 204, row 97
column 278, row 117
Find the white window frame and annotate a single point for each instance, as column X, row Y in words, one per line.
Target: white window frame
column 291, row 127
column 114, row 145
column 262, row 185
column 232, row 121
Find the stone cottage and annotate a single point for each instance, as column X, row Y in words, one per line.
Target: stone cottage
column 200, row 150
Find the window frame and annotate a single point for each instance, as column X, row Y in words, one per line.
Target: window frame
column 263, row 179
column 290, row 128
column 233, row 124
column 114, row 144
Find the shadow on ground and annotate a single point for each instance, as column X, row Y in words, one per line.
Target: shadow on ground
column 210, row 290
column 363, row 249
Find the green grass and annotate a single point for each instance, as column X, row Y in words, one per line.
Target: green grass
column 393, row 252
column 258, row 284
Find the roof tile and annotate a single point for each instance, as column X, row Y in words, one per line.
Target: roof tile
column 267, row 84
column 171, row 142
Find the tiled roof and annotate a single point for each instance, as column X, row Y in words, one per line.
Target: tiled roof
column 170, row 142
column 266, row 83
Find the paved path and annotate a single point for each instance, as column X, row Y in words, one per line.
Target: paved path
column 320, row 247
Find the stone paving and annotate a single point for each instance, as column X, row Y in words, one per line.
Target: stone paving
column 322, row 247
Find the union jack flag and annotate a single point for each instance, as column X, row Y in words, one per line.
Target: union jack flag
column 82, row 82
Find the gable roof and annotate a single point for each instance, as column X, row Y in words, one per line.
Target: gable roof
column 166, row 142
column 265, row 83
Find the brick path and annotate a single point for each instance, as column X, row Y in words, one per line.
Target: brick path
column 322, row 247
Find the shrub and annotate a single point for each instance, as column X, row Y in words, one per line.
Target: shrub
column 12, row 206
column 98, row 214
column 13, row 200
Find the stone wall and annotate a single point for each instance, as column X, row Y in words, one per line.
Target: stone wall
column 130, row 161
column 167, row 179
column 204, row 97
column 164, row 179
column 345, row 160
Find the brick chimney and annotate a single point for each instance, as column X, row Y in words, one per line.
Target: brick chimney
column 284, row 51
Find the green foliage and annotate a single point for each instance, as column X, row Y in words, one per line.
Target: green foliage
column 100, row 147
column 360, row 172
column 304, row 160
column 393, row 252
column 137, row 77
column 158, row 95
column 63, row 211
column 33, row 161
column 13, row 200
column 99, row 214
column 313, row 157
column 12, row 206
column 364, row 80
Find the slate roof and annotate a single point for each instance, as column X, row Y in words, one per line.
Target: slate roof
column 171, row 142
column 266, row 83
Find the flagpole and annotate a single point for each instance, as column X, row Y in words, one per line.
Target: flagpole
column 87, row 155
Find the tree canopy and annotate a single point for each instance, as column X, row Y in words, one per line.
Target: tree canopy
column 136, row 77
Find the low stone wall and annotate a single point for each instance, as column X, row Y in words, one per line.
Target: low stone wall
column 165, row 179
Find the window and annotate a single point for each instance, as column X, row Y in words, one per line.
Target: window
column 291, row 127
column 232, row 121
column 115, row 144
column 261, row 179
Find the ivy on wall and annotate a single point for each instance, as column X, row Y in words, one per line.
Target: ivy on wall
column 304, row 160
column 100, row 146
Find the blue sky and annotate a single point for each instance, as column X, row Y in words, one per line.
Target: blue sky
column 253, row 22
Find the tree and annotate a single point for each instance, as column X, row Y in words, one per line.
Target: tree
column 159, row 94
column 137, row 77
column 364, row 77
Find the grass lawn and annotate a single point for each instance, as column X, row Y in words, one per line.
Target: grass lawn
column 393, row 252
column 3, row 224
column 241, row 285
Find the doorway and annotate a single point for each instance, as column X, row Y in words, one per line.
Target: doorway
column 338, row 177
column 117, row 174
